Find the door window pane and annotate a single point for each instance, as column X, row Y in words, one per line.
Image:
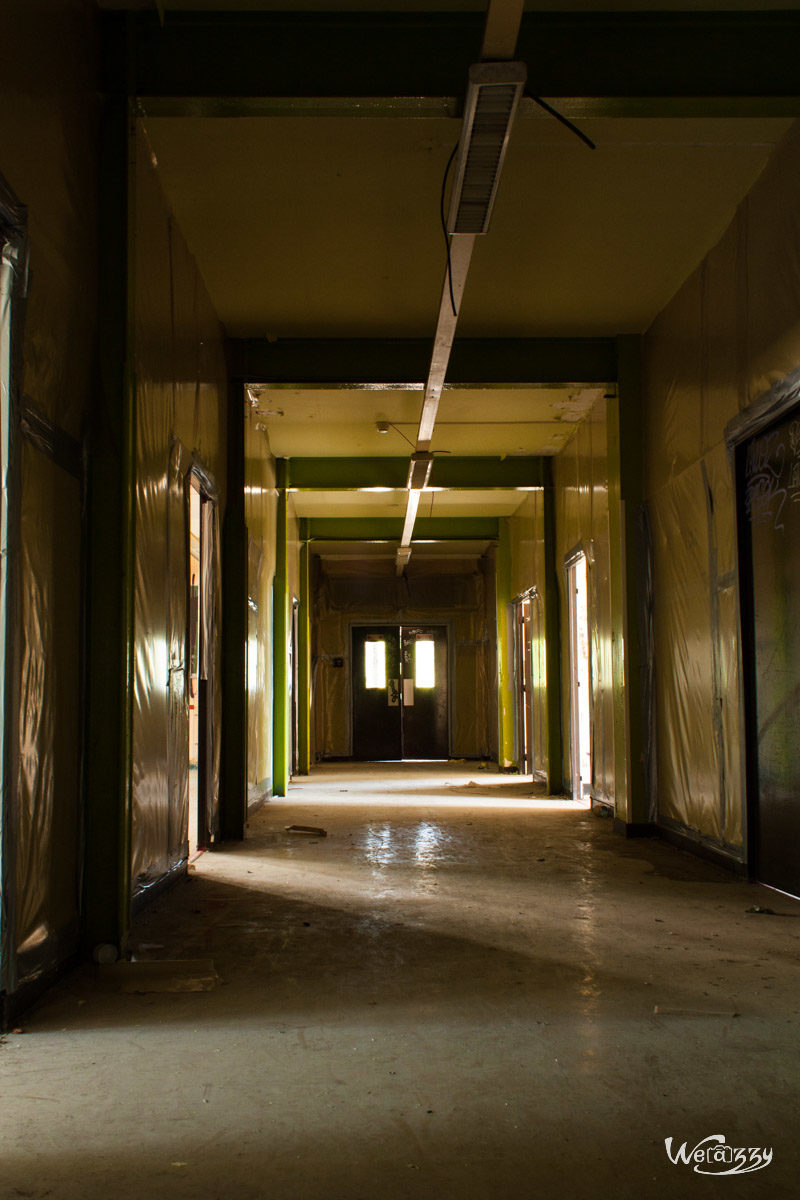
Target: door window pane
column 425, row 671
column 375, row 664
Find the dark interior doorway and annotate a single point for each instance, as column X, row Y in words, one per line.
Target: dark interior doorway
column 768, row 475
column 400, row 692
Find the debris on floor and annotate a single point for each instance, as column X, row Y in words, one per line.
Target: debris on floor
column 312, row 830
column 164, row 975
column 758, row 908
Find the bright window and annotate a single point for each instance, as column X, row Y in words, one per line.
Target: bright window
column 375, row 664
column 425, row 671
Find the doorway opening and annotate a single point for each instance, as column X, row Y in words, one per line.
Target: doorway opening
column 400, row 692
column 529, row 685
column 523, row 676
column 200, row 576
column 293, row 678
column 580, row 678
column 768, row 496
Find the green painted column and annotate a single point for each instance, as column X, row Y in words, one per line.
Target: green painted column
column 625, row 499
column 552, row 633
column 111, row 530
column 281, row 714
column 505, row 650
column 304, row 659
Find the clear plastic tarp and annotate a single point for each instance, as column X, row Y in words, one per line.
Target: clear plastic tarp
column 181, row 388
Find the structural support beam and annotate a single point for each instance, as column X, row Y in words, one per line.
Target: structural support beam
column 390, row 529
column 449, row 471
column 607, row 63
column 626, row 495
column 304, row 662
column 281, row 616
column 404, row 362
column 110, row 533
column 233, row 764
column 552, row 634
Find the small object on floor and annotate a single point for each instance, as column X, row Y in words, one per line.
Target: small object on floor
column 313, row 830
column 660, row 1011
column 105, row 953
column 162, row 975
column 767, row 912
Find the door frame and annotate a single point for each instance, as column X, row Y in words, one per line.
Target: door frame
column 571, row 560
column 14, row 281
column 779, row 402
column 356, row 623
column 198, row 478
column 523, row 713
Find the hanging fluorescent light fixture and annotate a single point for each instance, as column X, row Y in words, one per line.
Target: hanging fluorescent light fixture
column 493, row 94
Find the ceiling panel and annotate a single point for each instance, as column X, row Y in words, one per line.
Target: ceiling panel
column 308, row 226
column 497, row 502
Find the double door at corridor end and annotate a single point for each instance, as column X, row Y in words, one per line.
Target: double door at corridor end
column 400, row 694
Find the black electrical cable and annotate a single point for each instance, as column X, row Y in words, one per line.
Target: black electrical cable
column 444, row 227
column 560, row 117
column 402, row 435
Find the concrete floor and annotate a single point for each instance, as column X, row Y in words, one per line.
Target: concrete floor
column 459, row 992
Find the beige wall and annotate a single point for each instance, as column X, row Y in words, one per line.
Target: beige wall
column 731, row 332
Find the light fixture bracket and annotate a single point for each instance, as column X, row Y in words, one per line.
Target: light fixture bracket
column 419, row 470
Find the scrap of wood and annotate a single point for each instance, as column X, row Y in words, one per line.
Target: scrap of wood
column 162, row 975
column 311, row 829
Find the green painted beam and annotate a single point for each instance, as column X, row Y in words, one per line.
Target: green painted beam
column 466, row 472
column 633, row 61
column 233, row 733
column 505, row 650
column 110, row 538
column 398, row 361
column 304, row 662
column 448, row 471
column 365, row 529
column 348, row 473
column 552, row 633
column 281, row 616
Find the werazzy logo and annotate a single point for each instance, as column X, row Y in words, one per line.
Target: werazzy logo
column 713, row 1156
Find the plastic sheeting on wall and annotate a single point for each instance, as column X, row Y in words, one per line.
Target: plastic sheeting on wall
column 181, row 387
column 730, row 333
column 347, row 595
column 53, row 45
column 46, row 663
column 581, row 479
column 261, row 505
